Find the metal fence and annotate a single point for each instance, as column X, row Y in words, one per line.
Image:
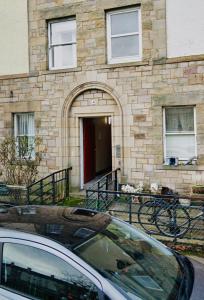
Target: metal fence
column 173, row 217
column 95, row 196
column 52, row 189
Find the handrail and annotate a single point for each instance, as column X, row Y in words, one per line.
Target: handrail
column 51, row 188
column 106, row 175
column 137, row 194
column 56, row 172
column 105, row 180
column 95, row 193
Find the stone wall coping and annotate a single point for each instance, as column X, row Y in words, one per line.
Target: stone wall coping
column 179, row 59
column 14, row 187
column 14, row 76
column 162, row 61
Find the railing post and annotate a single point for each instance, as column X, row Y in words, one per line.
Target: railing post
column 28, row 195
column 106, row 183
column 67, row 183
column 98, row 196
column 106, row 190
column 130, row 209
column 87, row 197
column 53, row 189
column 115, row 183
column 116, row 180
column 41, row 191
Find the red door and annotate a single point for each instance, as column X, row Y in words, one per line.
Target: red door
column 89, row 149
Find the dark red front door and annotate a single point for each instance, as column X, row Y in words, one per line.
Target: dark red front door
column 89, row 149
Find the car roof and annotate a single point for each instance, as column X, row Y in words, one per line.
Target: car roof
column 68, row 226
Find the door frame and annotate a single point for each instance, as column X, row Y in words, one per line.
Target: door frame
column 81, row 143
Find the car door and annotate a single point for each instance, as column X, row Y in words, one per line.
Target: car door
column 34, row 271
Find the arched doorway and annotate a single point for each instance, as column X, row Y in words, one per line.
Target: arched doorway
column 92, row 122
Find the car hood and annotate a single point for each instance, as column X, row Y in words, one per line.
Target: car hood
column 198, row 286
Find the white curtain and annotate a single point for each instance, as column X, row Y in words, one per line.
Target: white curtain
column 25, row 133
column 179, row 119
column 25, row 124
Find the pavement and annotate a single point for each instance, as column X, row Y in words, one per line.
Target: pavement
column 198, row 287
column 197, row 258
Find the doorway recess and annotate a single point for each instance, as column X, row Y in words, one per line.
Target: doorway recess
column 97, row 153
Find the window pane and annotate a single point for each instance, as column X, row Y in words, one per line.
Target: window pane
column 25, row 146
column 63, row 32
column 181, row 146
column 25, row 135
column 179, row 119
column 25, row 124
column 42, row 275
column 125, row 46
column 64, row 56
column 124, row 23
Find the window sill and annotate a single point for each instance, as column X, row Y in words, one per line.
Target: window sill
column 181, row 167
column 24, row 161
column 124, row 64
column 56, row 71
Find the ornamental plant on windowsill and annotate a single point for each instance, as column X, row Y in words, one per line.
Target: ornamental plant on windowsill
column 19, row 159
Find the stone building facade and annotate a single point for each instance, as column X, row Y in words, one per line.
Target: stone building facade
column 129, row 96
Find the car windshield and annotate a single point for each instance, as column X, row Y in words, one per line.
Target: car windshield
column 137, row 265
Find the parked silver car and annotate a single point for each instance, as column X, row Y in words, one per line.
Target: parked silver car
column 58, row 253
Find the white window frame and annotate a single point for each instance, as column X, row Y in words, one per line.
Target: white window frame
column 179, row 133
column 109, row 37
column 16, row 135
column 51, row 46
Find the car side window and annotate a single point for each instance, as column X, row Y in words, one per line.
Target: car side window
column 41, row 275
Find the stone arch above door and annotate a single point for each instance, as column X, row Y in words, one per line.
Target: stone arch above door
column 94, row 101
column 90, row 86
column 90, row 101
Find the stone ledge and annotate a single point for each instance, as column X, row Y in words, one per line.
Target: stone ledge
column 125, row 64
column 181, row 168
column 14, row 76
column 56, row 71
column 179, row 59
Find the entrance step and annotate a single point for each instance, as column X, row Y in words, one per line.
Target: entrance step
column 78, row 194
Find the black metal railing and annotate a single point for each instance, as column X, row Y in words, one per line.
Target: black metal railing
column 173, row 217
column 51, row 189
column 95, row 198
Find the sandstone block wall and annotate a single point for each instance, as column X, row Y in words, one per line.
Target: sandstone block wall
column 134, row 94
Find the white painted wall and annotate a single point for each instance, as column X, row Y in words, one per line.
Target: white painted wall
column 185, row 27
column 14, row 37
